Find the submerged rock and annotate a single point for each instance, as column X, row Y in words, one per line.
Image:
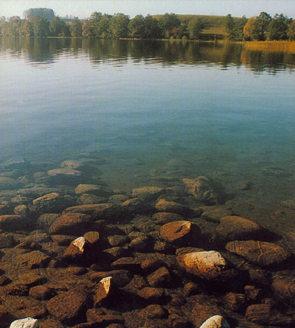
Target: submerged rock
column 25, row 323
column 238, row 228
column 51, row 203
column 63, row 171
column 92, row 189
column 71, row 224
column 98, row 211
column 217, row 321
column 205, row 190
column 72, row 164
column 7, row 182
column 205, row 264
column 13, row 222
column 176, row 231
column 147, row 192
column 164, row 205
column 259, row 252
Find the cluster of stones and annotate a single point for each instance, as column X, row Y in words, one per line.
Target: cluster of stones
column 158, row 257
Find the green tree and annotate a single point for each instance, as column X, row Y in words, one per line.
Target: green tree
column 119, row 26
column 103, row 27
column 195, row 27
column 291, row 30
column 230, row 27
column 261, row 26
column 278, row 28
column 40, row 27
column 152, row 28
column 58, row 27
column 76, row 28
column 88, row 29
column 45, row 13
column 169, row 24
column 27, row 29
column 137, row 27
column 94, row 23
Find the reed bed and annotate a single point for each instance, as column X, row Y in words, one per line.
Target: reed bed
column 271, row 46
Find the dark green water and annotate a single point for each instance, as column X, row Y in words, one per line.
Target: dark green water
column 155, row 112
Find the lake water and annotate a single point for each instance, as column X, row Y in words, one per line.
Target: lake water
column 151, row 113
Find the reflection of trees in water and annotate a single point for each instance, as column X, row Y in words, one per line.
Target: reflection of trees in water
column 166, row 53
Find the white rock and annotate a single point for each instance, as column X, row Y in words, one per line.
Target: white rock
column 217, row 321
column 25, row 323
column 80, row 243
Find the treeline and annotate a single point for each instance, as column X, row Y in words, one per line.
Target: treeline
column 264, row 27
column 42, row 23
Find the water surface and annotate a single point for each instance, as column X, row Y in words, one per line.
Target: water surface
column 155, row 112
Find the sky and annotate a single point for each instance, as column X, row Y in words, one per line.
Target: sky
column 83, row 8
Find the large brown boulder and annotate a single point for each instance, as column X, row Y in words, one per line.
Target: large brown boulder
column 107, row 211
column 259, row 252
column 68, row 307
column 70, row 224
column 234, row 227
column 204, row 264
column 205, row 190
column 176, row 231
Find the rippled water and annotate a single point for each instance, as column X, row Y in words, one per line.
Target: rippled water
column 155, row 112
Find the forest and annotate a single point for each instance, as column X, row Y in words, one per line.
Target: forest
column 42, row 23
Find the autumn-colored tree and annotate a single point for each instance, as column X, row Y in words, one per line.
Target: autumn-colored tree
column 249, row 28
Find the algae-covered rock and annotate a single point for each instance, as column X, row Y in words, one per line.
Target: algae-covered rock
column 259, row 252
column 205, row 190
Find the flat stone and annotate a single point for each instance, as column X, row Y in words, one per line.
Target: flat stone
column 71, row 224
column 259, row 313
column 159, row 278
column 67, row 306
column 99, row 211
column 147, row 192
column 151, row 294
column 258, row 252
column 176, row 231
column 238, row 228
column 164, row 205
column 204, row 264
column 91, row 189
column 63, row 171
column 45, row 220
column 32, row 260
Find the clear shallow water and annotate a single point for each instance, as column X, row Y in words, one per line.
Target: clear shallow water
column 155, row 113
